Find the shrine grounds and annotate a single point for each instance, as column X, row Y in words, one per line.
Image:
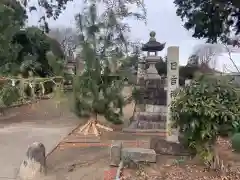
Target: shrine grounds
column 78, row 157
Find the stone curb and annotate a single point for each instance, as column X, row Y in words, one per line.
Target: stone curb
column 26, row 103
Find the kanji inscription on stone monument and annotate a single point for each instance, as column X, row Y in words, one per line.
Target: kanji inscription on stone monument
column 174, row 65
column 174, row 80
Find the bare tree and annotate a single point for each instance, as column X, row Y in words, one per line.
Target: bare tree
column 206, row 54
column 235, row 43
column 67, row 37
column 229, row 52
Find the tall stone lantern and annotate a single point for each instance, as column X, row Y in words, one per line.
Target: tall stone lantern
column 155, row 94
column 153, row 99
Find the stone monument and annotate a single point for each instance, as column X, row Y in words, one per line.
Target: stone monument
column 172, row 85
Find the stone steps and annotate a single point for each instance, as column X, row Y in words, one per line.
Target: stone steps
column 144, row 124
column 162, row 133
column 147, row 132
column 149, row 121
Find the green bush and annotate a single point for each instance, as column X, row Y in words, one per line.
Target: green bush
column 209, row 107
column 236, row 142
column 8, row 95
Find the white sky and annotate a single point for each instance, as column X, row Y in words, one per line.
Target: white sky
column 161, row 17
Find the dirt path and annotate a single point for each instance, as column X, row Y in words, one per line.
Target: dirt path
column 46, row 123
column 77, row 160
column 42, row 122
column 90, row 160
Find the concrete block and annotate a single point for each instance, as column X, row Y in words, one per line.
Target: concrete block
column 140, row 107
column 160, row 109
column 149, row 108
column 157, row 109
column 138, row 155
column 115, row 153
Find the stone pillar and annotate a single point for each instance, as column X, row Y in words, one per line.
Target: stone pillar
column 140, row 107
column 141, row 70
column 172, row 85
column 115, row 153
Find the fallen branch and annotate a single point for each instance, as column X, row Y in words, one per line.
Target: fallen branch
column 93, row 126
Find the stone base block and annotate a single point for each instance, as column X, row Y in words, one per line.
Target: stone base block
column 152, row 117
column 140, row 107
column 138, row 155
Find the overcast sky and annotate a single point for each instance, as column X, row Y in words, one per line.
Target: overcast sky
column 161, row 17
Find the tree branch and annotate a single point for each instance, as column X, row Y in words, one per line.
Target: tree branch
column 230, row 57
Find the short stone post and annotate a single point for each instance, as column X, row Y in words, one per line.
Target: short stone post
column 34, row 164
column 115, row 153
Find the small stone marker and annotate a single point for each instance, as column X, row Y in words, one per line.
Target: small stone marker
column 139, row 155
column 34, row 164
column 115, row 153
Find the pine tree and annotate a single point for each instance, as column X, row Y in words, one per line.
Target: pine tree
column 98, row 90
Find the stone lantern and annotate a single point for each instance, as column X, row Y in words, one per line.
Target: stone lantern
column 154, row 95
column 152, row 47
